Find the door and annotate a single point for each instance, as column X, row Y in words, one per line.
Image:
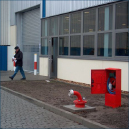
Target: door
column 53, row 52
column 98, row 82
column 3, row 58
column 30, row 38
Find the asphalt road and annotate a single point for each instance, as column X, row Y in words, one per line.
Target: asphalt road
column 19, row 113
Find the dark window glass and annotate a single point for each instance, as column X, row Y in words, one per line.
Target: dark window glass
column 44, row 47
column 105, row 18
column 89, row 20
column 44, row 28
column 76, row 22
column 53, row 26
column 64, row 24
column 63, row 45
column 122, row 15
column 105, row 45
column 75, row 45
column 88, row 45
column 122, row 45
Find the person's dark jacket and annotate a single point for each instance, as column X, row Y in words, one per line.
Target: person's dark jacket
column 19, row 58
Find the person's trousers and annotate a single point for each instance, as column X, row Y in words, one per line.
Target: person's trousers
column 21, row 71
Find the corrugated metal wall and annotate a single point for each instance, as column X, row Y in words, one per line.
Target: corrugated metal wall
column 5, row 22
column 31, row 27
column 58, row 7
column 7, row 10
column 0, row 22
column 16, row 6
column 30, row 38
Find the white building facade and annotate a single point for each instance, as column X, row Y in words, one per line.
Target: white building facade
column 69, row 37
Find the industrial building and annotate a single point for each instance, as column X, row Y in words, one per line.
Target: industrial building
column 70, row 37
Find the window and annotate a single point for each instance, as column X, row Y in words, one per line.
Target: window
column 105, row 44
column 122, row 46
column 76, row 22
column 99, row 32
column 53, row 26
column 44, row 47
column 122, row 15
column 75, row 45
column 63, row 45
column 89, row 20
column 44, row 28
column 105, row 18
column 64, row 24
column 88, row 45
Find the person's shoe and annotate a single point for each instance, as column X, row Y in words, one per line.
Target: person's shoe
column 23, row 79
column 11, row 78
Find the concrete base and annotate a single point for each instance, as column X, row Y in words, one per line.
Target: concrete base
column 73, row 109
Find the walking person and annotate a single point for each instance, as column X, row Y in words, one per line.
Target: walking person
column 18, row 58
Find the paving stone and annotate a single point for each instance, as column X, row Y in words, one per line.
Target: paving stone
column 19, row 113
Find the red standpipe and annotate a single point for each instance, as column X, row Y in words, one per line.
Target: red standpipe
column 79, row 102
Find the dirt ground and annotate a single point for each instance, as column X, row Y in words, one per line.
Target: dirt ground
column 56, row 93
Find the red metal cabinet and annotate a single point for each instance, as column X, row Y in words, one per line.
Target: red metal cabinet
column 99, row 80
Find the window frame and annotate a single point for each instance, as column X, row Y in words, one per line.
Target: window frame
column 59, row 46
column 49, row 34
column 94, row 44
column 115, row 42
column 70, row 45
column 95, row 20
column 98, row 17
column 71, row 33
column 115, row 13
column 97, row 46
column 95, row 33
column 59, row 23
column 41, row 47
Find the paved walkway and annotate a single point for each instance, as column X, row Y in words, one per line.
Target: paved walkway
column 29, row 76
column 19, row 113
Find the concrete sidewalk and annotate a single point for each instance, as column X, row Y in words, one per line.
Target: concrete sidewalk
column 29, row 76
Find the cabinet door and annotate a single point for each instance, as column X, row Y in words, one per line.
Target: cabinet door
column 98, row 82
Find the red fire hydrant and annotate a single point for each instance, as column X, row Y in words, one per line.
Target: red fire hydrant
column 79, row 102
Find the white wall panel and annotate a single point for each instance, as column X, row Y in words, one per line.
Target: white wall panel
column 43, row 66
column 80, row 70
column 16, row 6
column 59, row 7
column 10, row 54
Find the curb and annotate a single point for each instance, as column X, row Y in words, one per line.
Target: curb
column 58, row 111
